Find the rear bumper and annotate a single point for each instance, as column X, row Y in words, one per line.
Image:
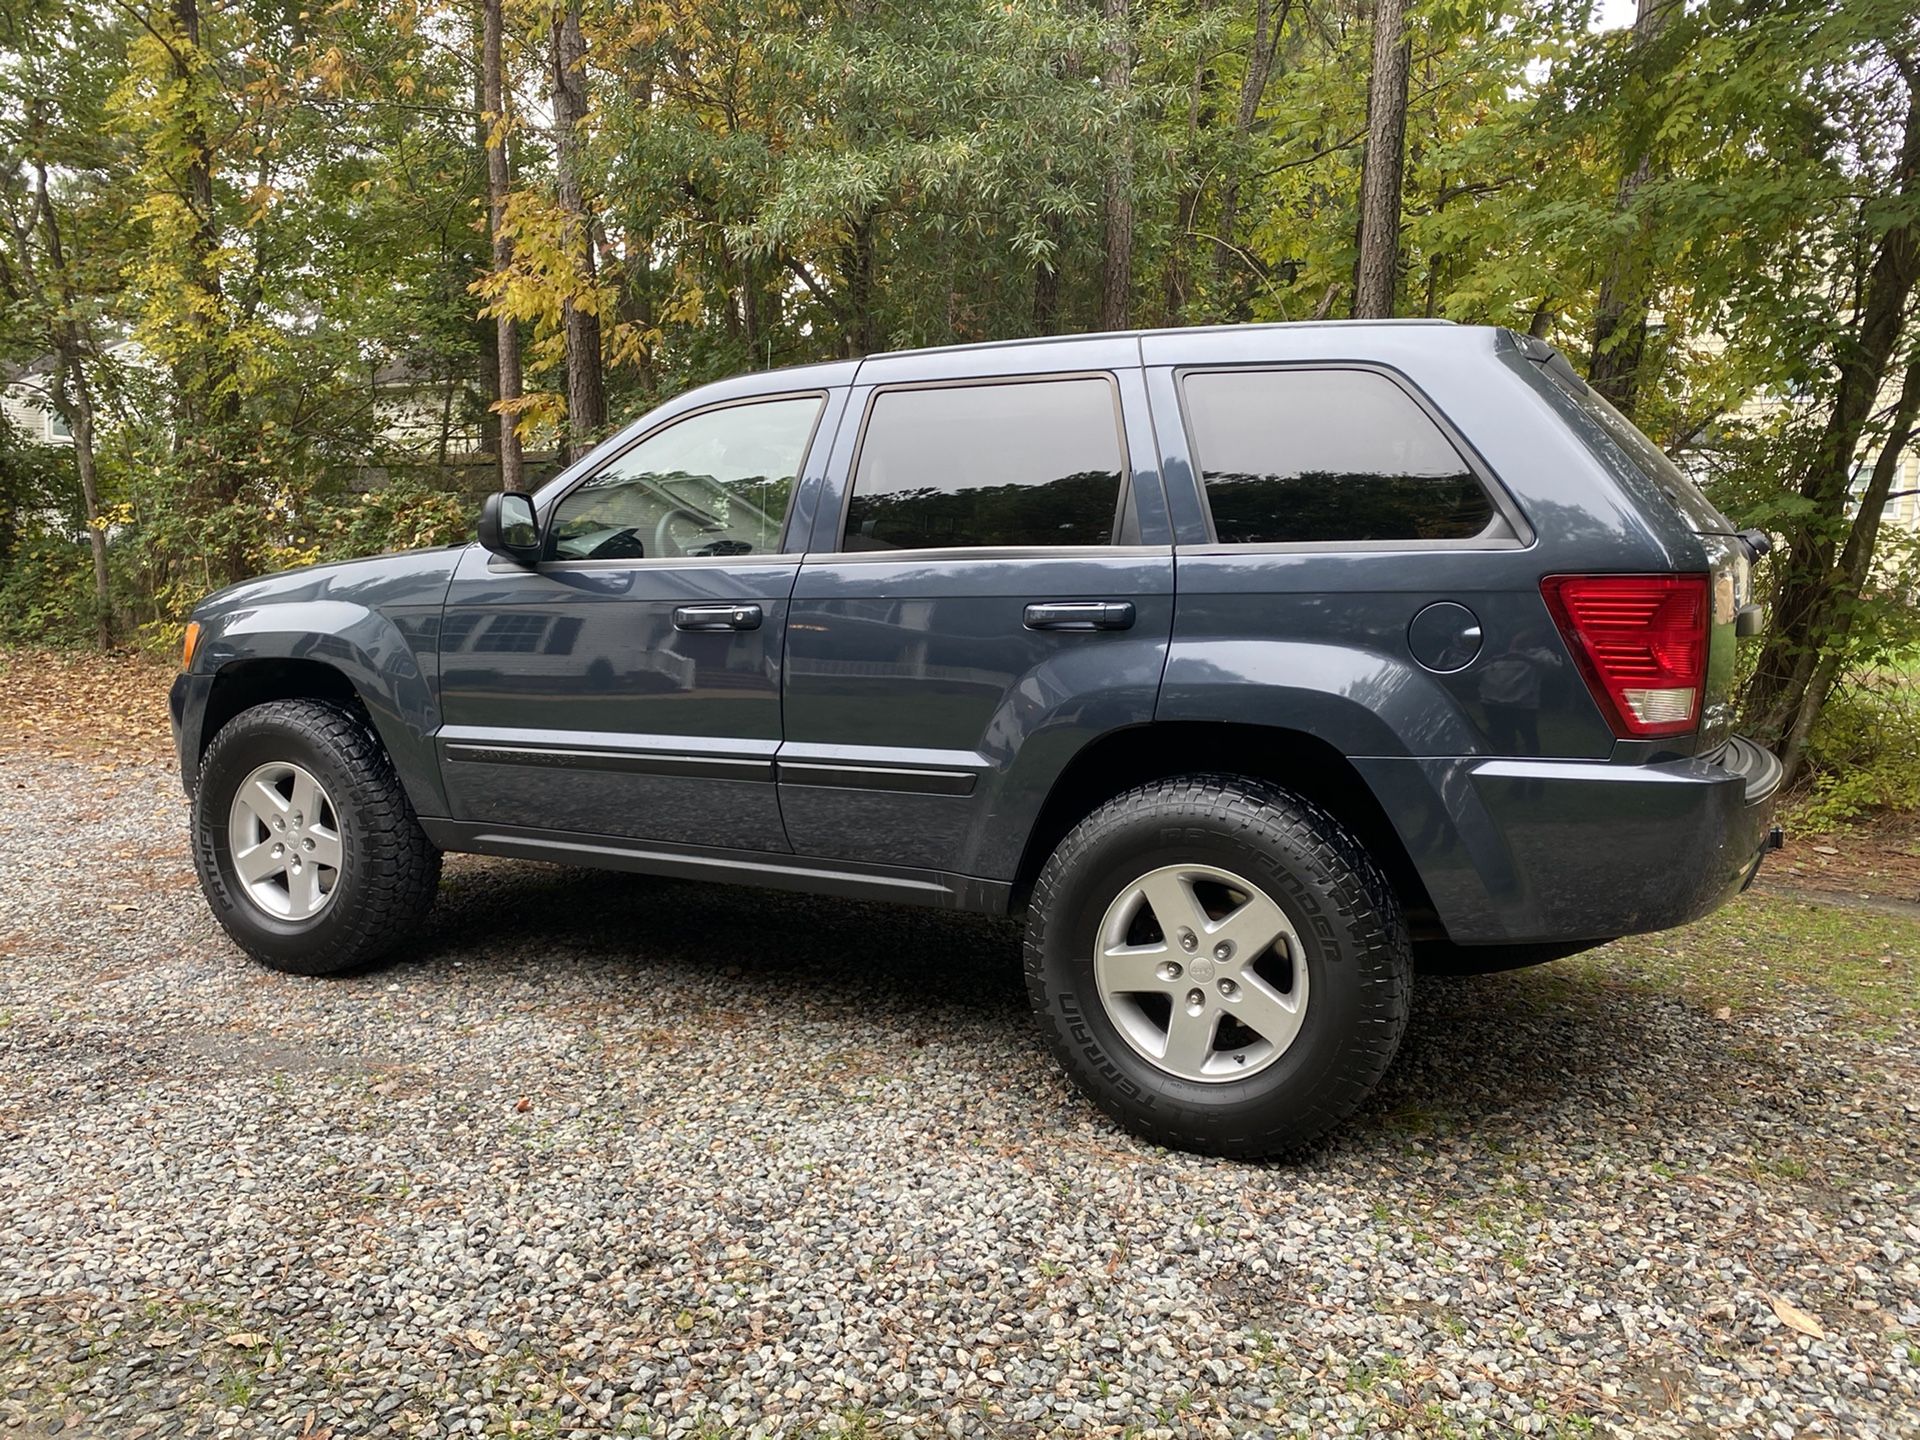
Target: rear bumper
column 1548, row 850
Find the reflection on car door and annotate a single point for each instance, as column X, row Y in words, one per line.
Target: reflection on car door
column 629, row 685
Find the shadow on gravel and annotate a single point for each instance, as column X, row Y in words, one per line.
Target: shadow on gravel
column 1568, row 1046
column 523, row 917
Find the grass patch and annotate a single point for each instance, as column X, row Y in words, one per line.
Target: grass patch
column 1750, row 952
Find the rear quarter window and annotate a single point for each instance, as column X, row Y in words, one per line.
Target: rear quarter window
column 1601, row 427
column 1305, row 456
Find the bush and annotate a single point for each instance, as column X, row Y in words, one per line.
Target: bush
column 1860, row 757
column 404, row 516
column 46, row 590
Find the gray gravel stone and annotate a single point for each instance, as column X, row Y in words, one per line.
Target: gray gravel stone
column 604, row 1155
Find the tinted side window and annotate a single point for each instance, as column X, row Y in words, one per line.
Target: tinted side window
column 717, row 483
column 1306, row 455
column 1026, row 463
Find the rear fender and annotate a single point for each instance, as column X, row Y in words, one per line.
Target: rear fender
column 1361, row 702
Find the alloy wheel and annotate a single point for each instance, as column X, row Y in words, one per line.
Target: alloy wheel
column 284, row 835
column 1201, row 972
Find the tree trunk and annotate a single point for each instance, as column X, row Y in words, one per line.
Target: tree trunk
column 1620, row 314
column 1116, row 275
column 1376, row 269
column 73, row 399
column 72, row 394
column 1229, row 265
column 863, row 325
column 1045, row 317
column 1186, row 208
column 586, row 386
column 1809, row 584
column 1856, row 566
column 209, row 402
column 499, row 179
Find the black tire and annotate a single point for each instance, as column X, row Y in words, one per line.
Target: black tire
column 389, row 870
column 1335, row 897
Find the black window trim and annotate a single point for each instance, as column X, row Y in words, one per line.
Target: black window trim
column 1507, row 529
column 780, row 554
column 1122, row 504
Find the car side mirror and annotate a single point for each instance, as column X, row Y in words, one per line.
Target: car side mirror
column 509, row 526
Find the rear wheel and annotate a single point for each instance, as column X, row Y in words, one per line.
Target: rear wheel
column 306, row 845
column 1219, row 965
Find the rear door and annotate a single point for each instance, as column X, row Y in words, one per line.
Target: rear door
column 629, row 684
column 989, row 586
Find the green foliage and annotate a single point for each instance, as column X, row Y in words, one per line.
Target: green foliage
column 407, row 515
column 1860, row 757
column 46, row 590
column 284, row 204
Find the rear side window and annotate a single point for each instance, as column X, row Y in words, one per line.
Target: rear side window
column 1018, row 463
column 1296, row 456
column 1600, row 424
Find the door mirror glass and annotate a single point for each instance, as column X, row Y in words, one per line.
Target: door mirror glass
column 509, row 526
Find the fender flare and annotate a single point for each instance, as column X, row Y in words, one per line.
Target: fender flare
column 369, row 651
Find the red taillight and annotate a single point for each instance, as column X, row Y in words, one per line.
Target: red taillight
column 1641, row 643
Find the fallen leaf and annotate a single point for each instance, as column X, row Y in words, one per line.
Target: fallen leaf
column 1725, row 1012
column 1794, row 1318
column 246, row 1340
column 524, row 1105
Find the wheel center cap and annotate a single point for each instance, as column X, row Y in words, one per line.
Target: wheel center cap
column 1200, row 968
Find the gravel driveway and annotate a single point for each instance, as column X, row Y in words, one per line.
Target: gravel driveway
column 612, row 1155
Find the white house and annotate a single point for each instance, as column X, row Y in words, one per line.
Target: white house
column 413, row 411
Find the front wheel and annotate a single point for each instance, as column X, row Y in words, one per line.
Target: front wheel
column 1219, row 965
column 306, row 845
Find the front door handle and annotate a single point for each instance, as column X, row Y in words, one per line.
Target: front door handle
column 716, row 617
column 1080, row 615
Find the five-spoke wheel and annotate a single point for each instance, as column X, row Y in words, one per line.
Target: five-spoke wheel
column 1219, row 964
column 285, row 837
column 307, row 847
column 1200, row 970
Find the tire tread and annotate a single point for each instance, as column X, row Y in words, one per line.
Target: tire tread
column 399, row 871
column 1256, row 812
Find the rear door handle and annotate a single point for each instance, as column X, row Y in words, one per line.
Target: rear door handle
column 1080, row 615
column 716, row 617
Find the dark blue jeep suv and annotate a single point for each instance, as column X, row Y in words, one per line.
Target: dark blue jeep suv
column 1252, row 665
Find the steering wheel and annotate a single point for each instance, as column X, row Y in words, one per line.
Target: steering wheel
column 665, row 542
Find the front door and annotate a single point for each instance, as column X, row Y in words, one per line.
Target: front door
column 629, row 684
column 978, row 606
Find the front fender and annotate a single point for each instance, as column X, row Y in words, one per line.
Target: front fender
column 390, row 660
